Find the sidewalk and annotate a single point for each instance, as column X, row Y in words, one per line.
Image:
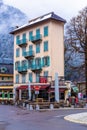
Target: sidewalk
column 77, row 118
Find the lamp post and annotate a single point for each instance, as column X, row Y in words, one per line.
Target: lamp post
column 56, row 88
column 29, row 91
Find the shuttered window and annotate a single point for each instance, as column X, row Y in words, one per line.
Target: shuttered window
column 46, row 46
column 45, row 31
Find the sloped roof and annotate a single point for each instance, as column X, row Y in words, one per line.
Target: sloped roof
column 50, row 15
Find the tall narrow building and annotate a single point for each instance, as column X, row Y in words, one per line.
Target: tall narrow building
column 38, row 55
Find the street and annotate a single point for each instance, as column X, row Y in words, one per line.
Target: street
column 14, row 118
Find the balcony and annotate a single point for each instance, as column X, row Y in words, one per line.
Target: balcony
column 22, row 42
column 36, row 68
column 28, row 54
column 36, row 38
column 22, row 69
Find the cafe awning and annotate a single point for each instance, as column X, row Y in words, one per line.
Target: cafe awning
column 33, row 87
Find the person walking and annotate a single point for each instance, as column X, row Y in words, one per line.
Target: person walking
column 76, row 101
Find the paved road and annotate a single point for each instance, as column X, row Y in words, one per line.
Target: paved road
column 13, row 118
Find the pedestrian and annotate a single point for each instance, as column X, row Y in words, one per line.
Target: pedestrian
column 76, row 101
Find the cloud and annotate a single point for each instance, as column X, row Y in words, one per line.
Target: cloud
column 64, row 8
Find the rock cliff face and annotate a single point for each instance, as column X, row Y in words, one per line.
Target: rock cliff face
column 9, row 18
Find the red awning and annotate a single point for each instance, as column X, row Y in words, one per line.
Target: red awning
column 53, row 90
column 25, row 87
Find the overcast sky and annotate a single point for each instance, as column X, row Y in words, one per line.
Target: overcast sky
column 34, row 8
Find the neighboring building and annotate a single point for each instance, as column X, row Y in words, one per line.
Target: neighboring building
column 6, row 82
column 38, row 55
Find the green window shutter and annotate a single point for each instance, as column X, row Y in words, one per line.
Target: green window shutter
column 45, row 73
column 37, row 77
column 24, row 36
column 17, row 52
column 17, row 39
column 43, row 62
column 8, row 95
column 17, row 78
column 23, row 78
column 23, row 51
column 48, row 61
column 30, row 77
column 3, row 95
column 37, row 48
column 46, row 46
column 45, row 31
column 37, row 32
column 30, row 35
column 17, row 64
column 30, row 47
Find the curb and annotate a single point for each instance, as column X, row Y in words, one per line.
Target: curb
column 76, row 118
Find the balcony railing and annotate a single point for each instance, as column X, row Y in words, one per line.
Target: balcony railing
column 22, row 42
column 36, row 38
column 36, row 68
column 28, row 54
column 22, row 69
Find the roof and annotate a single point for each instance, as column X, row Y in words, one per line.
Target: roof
column 50, row 15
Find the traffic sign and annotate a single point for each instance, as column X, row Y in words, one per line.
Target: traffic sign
column 37, row 88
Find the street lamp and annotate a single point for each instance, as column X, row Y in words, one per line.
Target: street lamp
column 29, row 91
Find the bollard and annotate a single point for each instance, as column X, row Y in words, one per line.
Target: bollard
column 37, row 107
column 23, row 104
column 51, row 106
column 27, row 106
column 16, row 103
column 31, row 108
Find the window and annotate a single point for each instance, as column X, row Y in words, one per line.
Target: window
column 23, row 78
column 8, row 78
column 30, row 77
column 24, row 63
column 46, row 46
column 17, row 64
column 37, row 32
column 17, row 78
column 30, row 63
column 23, row 50
column 45, row 31
column 30, row 47
column 2, row 78
column 45, row 73
column 17, row 39
column 30, row 35
column 17, row 52
column 37, row 77
column 46, row 61
column 24, row 36
column 38, row 48
column 38, row 61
